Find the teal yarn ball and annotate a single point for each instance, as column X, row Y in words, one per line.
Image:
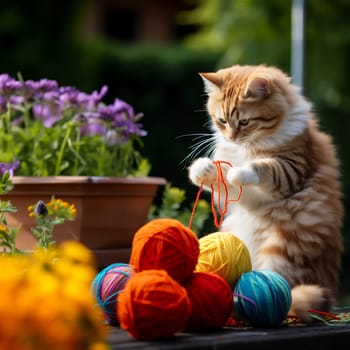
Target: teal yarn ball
column 262, row 298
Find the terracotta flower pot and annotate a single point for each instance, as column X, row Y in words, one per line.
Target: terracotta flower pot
column 109, row 210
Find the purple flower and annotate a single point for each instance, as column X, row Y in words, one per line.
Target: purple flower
column 48, row 113
column 9, row 167
column 70, row 96
column 46, row 85
column 129, row 128
column 29, row 88
column 123, row 107
column 4, row 78
column 96, row 97
column 16, row 100
column 37, row 88
column 3, row 104
column 87, row 117
column 92, row 129
column 91, row 121
column 9, row 85
column 112, row 138
column 117, row 111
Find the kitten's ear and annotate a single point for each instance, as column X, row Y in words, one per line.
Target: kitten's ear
column 212, row 82
column 258, row 88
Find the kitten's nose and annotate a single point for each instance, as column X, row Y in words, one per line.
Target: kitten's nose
column 233, row 136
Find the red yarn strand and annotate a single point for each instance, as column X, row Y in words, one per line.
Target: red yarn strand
column 195, row 204
column 213, row 209
column 219, row 213
column 324, row 313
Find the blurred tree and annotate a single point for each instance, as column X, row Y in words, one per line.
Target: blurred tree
column 327, row 71
column 247, row 31
column 39, row 38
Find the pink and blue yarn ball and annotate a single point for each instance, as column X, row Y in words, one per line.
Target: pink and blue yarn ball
column 262, row 298
column 107, row 285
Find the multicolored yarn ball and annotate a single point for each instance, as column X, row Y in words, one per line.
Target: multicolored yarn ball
column 107, row 285
column 262, row 298
column 165, row 244
column 224, row 254
column 211, row 299
column 153, row 305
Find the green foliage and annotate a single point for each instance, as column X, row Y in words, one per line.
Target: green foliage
column 59, row 150
column 246, row 31
column 6, row 184
column 47, row 217
column 172, row 206
column 327, row 71
column 7, row 235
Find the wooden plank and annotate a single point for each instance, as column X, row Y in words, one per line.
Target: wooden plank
column 312, row 337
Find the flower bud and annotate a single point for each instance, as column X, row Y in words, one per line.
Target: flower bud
column 41, row 209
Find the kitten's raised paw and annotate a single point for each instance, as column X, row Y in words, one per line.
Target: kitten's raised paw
column 240, row 176
column 202, row 170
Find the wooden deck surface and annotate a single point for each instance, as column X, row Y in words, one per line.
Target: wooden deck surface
column 312, row 337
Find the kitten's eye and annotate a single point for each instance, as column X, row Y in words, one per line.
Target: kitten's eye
column 244, row 121
column 222, row 120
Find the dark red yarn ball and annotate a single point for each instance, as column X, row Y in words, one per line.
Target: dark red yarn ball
column 211, row 299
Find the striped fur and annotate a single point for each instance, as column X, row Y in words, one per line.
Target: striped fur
column 290, row 213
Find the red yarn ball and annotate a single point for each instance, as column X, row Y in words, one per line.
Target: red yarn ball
column 211, row 300
column 153, row 305
column 165, row 244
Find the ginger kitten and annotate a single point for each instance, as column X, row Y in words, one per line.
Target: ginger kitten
column 290, row 212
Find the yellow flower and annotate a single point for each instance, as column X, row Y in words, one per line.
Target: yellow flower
column 77, row 252
column 46, row 301
column 3, row 228
column 99, row 346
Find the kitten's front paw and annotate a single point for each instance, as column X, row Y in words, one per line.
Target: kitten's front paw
column 240, row 176
column 202, row 170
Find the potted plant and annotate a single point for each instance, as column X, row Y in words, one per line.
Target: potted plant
column 60, row 141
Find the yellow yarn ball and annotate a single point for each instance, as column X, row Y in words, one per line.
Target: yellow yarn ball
column 224, row 254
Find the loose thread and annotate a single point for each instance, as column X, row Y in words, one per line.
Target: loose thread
column 324, row 313
column 247, row 299
column 327, row 318
column 196, row 203
column 218, row 217
column 234, row 322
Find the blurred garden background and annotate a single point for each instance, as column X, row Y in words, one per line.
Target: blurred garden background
column 149, row 52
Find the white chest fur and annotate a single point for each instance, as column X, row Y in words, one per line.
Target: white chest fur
column 230, row 152
column 243, row 224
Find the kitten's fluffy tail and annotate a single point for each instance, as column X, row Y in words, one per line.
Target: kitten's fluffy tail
column 309, row 297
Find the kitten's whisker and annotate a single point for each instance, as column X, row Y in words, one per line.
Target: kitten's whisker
column 206, row 146
column 202, row 141
column 194, row 134
column 207, row 123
